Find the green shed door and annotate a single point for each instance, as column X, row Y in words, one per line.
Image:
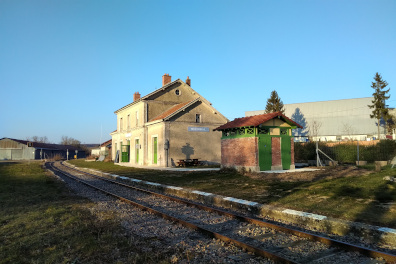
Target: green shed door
column 155, row 150
column 265, row 158
column 286, row 152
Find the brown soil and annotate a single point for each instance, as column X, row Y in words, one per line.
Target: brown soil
column 325, row 173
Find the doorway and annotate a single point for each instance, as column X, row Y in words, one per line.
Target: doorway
column 155, row 150
column 265, row 155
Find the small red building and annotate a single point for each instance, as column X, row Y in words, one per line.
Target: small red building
column 258, row 143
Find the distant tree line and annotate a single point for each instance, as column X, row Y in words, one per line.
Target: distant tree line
column 38, row 139
column 65, row 140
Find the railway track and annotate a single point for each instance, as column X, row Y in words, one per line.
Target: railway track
column 267, row 240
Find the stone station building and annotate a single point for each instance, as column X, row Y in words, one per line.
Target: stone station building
column 172, row 123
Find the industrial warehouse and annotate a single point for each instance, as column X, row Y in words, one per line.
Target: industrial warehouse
column 16, row 149
column 333, row 120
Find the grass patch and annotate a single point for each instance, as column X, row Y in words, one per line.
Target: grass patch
column 41, row 222
column 366, row 198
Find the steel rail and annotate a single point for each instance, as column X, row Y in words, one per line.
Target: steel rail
column 211, row 234
column 328, row 241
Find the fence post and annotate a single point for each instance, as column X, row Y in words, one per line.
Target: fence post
column 317, row 154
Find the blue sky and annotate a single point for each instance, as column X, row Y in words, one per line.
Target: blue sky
column 66, row 66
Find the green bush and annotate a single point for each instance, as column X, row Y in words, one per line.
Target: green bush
column 386, row 149
column 368, row 153
column 346, row 153
column 304, row 151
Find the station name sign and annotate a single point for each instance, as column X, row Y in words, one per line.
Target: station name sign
column 198, row 129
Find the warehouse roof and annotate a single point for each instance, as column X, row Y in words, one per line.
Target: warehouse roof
column 38, row 145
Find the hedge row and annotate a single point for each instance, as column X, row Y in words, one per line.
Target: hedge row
column 346, row 152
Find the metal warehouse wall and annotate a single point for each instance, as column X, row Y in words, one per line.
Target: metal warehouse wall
column 16, row 151
column 338, row 117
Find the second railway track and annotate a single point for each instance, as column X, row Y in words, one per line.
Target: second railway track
column 278, row 243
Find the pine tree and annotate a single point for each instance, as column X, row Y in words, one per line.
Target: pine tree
column 379, row 108
column 274, row 104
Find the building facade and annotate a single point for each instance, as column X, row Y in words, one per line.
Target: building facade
column 258, row 143
column 170, row 124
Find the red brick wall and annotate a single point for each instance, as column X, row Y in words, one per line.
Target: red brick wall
column 239, row 152
column 276, row 151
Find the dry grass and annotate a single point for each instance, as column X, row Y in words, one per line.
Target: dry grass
column 41, row 222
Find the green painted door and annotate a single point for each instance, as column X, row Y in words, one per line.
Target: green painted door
column 125, row 153
column 286, row 152
column 137, row 147
column 265, row 158
column 155, row 149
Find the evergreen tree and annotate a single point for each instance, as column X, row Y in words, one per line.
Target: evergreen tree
column 379, row 108
column 274, row 104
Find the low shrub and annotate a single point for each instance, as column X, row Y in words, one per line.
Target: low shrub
column 346, row 152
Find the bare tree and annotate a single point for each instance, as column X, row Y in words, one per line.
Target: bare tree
column 38, row 139
column 314, row 128
column 70, row 141
column 391, row 123
column 348, row 130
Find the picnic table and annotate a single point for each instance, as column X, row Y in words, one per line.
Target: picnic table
column 188, row 162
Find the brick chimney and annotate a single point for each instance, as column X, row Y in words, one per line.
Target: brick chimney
column 136, row 96
column 166, row 78
column 188, row 81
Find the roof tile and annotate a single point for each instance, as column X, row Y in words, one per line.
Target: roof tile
column 255, row 121
column 170, row 111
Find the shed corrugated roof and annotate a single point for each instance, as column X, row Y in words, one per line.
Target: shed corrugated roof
column 256, row 120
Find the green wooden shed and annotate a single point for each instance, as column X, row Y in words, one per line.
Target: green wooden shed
column 258, row 143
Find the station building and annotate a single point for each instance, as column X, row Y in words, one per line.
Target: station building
column 333, row 120
column 170, row 124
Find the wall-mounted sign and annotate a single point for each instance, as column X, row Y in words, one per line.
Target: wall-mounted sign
column 128, row 135
column 198, row 129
